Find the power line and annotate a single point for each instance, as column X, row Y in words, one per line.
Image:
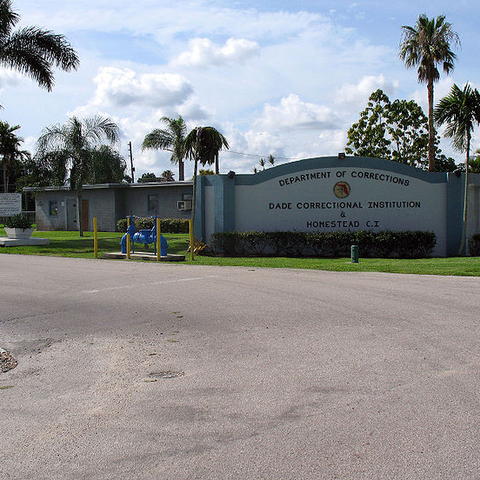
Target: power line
column 262, row 156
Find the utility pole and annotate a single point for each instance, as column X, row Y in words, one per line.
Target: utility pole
column 132, row 168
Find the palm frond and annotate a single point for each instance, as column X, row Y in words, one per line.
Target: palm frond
column 34, row 51
column 158, row 140
column 8, row 18
column 459, row 112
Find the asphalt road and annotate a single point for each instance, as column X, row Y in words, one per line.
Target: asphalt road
column 277, row 374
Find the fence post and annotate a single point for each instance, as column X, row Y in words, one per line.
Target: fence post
column 95, row 237
column 190, row 231
column 157, row 219
column 128, row 239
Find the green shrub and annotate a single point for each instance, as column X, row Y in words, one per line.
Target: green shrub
column 18, row 221
column 474, row 245
column 167, row 225
column 383, row 244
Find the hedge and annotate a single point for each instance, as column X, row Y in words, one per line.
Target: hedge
column 383, row 244
column 167, row 225
column 474, row 245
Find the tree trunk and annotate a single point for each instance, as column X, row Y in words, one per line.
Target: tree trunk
column 4, row 164
column 194, row 192
column 195, row 168
column 463, row 250
column 431, row 129
column 181, row 170
column 80, row 208
column 217, row 165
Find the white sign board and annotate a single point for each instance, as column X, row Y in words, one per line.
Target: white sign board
column 342, row 199
column 10, row 204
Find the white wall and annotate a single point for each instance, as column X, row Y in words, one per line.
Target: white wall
column 422, row 205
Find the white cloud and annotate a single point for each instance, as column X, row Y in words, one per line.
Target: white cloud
column 10, row 77
column 294, row 113
column 203, row 52
column 192, row 110
column 358, row 93
column 264, row 143
column 123, row 87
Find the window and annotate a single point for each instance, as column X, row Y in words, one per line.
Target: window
column 53, row 207
column 153, row 203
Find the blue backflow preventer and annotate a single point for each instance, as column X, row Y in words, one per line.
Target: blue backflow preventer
column 145, row 237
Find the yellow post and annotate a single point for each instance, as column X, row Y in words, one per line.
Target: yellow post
column 190, row 231
column 128, row 239
column 158, row 239
column 95, row 237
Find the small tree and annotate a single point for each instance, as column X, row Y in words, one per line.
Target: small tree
column 459, row 111
column 203, row 145
column 73, row 143
column 368, row 137
column 148, row 177
column 172, row 139
column 395, row 131
column 475, row 163
column 108, row 166
column 10, row 150
column 167, row 176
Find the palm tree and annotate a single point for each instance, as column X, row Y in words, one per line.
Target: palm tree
column 171, row 139
column 74, row 141
column 460, row 112
column 203, row 145
column 10, row 149
column 32, row 50
column 108, row 166
column 167, row 176
column 427, row 46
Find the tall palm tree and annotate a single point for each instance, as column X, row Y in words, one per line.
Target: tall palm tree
column 10, row 149
column 172, row 139
column 459, row 111
column 427, row 46
column 33, row 50
column 74, row 142
column 203, row 145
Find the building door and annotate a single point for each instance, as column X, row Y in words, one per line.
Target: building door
column 72, row 214
column 85, row 215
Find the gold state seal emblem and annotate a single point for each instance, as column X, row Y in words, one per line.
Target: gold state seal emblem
column 341, row 189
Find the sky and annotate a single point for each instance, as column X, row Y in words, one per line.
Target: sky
column 285, row 78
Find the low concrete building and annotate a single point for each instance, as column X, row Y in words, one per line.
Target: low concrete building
column 56, row 207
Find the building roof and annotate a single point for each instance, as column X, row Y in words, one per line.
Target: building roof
column 99, row 186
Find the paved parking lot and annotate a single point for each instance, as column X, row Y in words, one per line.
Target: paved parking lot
column 159, row 371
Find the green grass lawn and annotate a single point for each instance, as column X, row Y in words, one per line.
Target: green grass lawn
column 70, row 244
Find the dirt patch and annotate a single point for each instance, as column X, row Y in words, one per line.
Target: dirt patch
column 28, row 347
